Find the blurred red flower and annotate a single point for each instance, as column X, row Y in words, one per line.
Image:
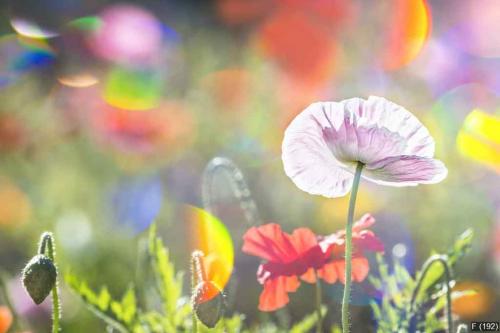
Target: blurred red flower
column 290, row 257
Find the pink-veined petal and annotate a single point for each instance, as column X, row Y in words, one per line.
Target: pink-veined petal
column 323, row 144
column 405, row 171
column 307, row 159
column 395, row 118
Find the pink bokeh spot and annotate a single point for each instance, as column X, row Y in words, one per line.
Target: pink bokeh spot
column 128, row 34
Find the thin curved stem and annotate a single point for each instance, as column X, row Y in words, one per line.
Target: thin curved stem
column 462, row 328
column 348, row 249
column 447, row 273
column 47, row 246
column 319, row 327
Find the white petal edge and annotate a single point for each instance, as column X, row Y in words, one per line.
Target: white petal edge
column 402, row 171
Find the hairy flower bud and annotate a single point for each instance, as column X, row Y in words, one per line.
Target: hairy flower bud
column 208, row 303
column 39, row 277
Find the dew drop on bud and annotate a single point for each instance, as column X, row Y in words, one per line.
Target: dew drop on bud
column 39, row 277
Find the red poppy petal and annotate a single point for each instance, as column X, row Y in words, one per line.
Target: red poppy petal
column 269, row 242
column 339, row 267
column 367, row 241
column 329, row 273
column 275, row 293
column 304, row 239
column 292, row 283
column 309, row 276
column 360, row 269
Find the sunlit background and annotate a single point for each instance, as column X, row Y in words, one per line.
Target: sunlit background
column 110, row 111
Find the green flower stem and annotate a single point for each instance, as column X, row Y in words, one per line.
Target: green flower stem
column 443, row 260
column 348, row 249
column 47, row 246
column 319, row 327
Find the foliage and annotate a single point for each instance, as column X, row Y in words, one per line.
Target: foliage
column 394, row 313
column 125, row 315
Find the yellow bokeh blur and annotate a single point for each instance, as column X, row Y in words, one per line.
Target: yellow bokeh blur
column 479, row 138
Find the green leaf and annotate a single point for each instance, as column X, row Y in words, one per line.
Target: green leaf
column 461, row 246
column 121, row 315
column 336, row 329
column 456, row 252
column 309, row 321
column 234, row 324
column 169, row 283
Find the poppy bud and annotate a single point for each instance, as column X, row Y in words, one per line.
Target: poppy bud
column 39, row 277
column 208, row 303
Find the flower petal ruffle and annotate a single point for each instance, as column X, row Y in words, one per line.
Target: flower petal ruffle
column 275, row 293
column 269, row 242
column 405, row 171
column 323, row 144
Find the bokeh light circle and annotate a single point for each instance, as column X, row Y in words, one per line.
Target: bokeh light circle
column 471, row 306
column 132, row 89
column 136, row 201
column 302, row 47
column 479, row 26
column 20, row 56
column 479, row 138
column 15, row 205
column 209, row 235
column 408, row 27
column 164, row 131
column 127, row 34
column 31, row 29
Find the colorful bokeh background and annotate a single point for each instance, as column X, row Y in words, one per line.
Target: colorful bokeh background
column 110, row 111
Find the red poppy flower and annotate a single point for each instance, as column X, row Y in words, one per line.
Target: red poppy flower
column 290, row 257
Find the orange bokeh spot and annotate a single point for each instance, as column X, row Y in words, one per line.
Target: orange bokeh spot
column 235, row 12
column 15, row 206
column 472, row 306
column 407, row 32
column 5, row 319
column 300, row 45
column 229, row 87
column 13, row 134
column 336, row 13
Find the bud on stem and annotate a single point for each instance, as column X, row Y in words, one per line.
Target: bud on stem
column 207, row 299
column 40, row 277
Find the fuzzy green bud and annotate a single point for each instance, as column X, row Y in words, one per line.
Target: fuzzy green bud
column 39, row 277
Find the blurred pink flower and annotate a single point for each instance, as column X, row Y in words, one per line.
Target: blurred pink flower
column 324, row 143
